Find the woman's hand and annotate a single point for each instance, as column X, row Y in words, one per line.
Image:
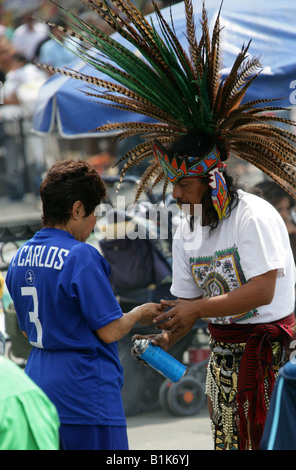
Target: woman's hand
column 147, row 312
column 117, row 329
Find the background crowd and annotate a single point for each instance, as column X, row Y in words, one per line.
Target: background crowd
column 25, row 41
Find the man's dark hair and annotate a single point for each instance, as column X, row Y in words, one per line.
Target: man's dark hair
column 66, row 182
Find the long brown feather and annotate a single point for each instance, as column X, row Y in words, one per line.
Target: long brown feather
column 202, row 99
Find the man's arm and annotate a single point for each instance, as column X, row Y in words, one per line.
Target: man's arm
column 167, row 338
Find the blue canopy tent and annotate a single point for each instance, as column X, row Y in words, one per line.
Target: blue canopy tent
column 271, row 27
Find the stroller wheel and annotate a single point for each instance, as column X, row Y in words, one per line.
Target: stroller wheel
column 149, row 389
column 186, row 397
column 163, row 395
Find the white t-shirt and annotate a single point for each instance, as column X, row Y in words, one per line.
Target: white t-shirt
column 26, row 40
column 29, row 73
column 251, row 242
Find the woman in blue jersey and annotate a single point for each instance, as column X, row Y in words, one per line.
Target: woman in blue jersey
column 66, row 308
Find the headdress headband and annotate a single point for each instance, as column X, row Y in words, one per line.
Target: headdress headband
column 176, row 167
column 194, row 98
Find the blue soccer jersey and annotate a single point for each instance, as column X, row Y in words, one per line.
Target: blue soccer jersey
column 61, row 293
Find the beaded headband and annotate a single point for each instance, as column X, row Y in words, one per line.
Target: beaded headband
column 176, row 167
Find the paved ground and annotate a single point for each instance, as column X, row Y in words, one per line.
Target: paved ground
column 20, row 210
column 159, row 430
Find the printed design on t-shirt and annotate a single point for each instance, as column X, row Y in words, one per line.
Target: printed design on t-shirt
column 219, row 274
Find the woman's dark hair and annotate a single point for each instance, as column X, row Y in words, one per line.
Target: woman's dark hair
column 195, row 145
column 272, row 192
column 66, row 182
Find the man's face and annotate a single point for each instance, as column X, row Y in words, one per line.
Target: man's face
column 190, row 191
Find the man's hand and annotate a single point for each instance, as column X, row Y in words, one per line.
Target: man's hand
column 158, row 339
column 183, row 313
column 180, row 316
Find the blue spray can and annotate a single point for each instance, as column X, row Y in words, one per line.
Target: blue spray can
column 159, row 360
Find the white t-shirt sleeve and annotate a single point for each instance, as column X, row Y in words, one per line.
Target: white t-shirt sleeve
column 263, row 243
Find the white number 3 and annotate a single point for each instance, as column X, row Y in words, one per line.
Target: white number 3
column 34, row 315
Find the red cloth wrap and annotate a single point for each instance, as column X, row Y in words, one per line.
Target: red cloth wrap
column 256, row 362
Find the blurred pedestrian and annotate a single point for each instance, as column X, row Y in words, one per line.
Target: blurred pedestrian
column 53, row 52
column 29, row 420
column 283, row 203
column 1, row 285
column 18, row 73
column 20, row 91
column 63, row 299
column 279, row 430
column 28, row 35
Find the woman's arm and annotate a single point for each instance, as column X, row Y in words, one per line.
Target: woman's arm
column 118, row 328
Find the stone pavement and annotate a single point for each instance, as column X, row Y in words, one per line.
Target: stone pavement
column 158, row 430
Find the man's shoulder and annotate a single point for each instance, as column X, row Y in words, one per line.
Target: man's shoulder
column 255, row 204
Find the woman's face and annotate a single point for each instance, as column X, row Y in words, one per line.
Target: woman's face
column 284, row 208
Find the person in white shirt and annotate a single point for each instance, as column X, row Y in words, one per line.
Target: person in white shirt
column 27, row 37
column 237, row 273
column 18, row 71
column 57, row 53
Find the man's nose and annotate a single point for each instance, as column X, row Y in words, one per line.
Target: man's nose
column 177, row 193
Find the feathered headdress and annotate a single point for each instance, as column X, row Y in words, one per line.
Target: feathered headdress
column 182, row 92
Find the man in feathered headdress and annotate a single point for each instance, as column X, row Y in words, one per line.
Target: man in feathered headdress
column 239, row 275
